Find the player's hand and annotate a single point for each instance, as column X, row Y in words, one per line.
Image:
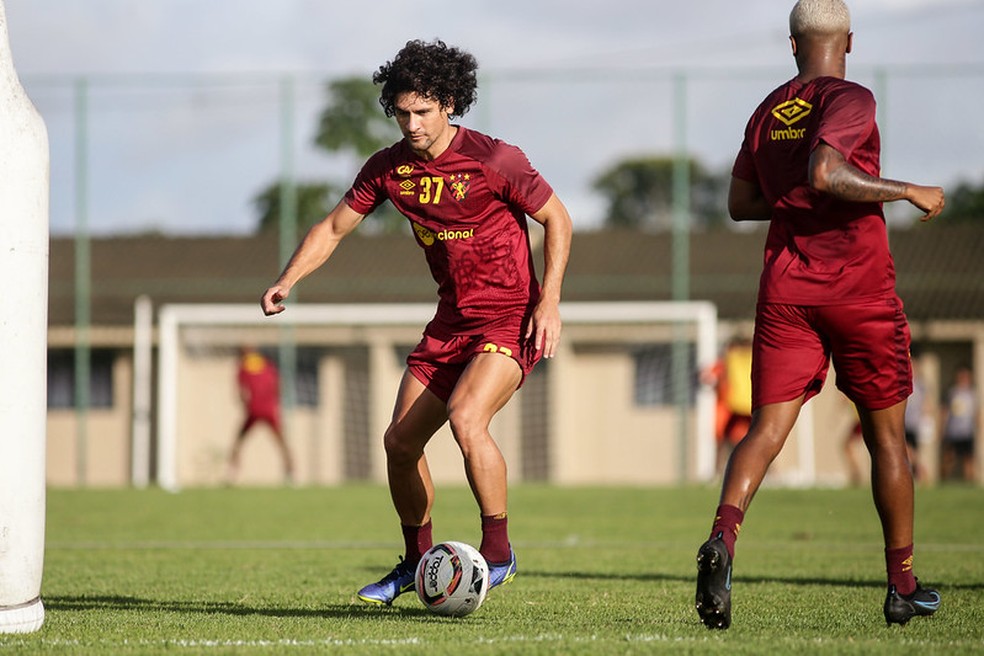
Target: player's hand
column 273, row 300
column 544, row 327
column 928, row 199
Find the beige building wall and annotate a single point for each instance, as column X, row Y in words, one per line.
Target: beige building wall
column 596, row 434
column 104, row 460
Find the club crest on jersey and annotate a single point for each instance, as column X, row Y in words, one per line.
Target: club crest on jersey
column 788, row 113
column 459, row 183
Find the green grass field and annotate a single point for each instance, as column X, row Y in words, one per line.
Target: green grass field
column 601, row 571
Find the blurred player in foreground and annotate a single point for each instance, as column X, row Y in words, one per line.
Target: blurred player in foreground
column 809, row 163
column 467, row 197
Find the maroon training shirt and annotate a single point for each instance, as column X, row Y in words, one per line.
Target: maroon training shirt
column 468, row 210
column 820, row 250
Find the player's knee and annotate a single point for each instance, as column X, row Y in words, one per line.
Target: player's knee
column 399, row 448
column 764, row 438
column 467, row 423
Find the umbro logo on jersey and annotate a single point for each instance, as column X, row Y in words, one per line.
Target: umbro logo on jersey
column 407, row 187
column 791, row 111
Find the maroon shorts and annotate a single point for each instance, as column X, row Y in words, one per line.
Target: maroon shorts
column 271, row 417
column 867, row 341
column 441, row 356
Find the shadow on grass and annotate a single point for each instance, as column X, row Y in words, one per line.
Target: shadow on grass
column 137, row 604
column 373, row 613
column 786, row 580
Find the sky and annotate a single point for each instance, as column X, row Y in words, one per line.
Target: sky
column 183, row 121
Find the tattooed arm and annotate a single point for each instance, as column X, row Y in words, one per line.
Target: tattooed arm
column 830, row 173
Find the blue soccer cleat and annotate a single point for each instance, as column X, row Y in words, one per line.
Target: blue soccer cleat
column 391, row 586
column 501, row 573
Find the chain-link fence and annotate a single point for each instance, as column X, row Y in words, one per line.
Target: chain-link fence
column 189, row 154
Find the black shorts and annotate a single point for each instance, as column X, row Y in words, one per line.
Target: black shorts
column 961, row 448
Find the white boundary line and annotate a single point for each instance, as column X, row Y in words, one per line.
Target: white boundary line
column 623, row 640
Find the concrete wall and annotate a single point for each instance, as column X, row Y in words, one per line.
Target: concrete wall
column 595, row 434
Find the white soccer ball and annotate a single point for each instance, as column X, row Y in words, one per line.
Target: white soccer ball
column 452, row 579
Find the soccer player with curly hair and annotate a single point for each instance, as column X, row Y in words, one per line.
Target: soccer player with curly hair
column 809, row 164
column 467, row 197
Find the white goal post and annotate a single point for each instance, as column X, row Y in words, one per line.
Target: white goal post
column 24, row 191
column 173, row 318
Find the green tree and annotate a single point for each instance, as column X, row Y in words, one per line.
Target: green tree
column 639, row 192
column 353, row 119
column 965, row 204
column 351, row 122
column 312, row 204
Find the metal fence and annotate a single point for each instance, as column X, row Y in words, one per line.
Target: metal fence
column 188, row 154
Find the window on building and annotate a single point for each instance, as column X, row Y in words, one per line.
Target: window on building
column 61, row 378
column 306, row 386
column 654, row 375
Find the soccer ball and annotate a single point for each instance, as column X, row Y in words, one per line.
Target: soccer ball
column 452, row 579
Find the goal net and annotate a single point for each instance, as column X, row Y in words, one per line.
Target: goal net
column 620, row 403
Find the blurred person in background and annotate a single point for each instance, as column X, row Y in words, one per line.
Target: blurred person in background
column 259, row 391
column 917, row 411
column 809, row 164
column 731, row 378
column 960, row 417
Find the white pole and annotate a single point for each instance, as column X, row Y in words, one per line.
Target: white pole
column 167, row 399
column 23, row 348
column 806, row 446
column 706, row 401
column 143, row 328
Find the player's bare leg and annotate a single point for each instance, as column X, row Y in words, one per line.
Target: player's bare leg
column 892, row 489
column 891, row 472
column 417, row 415
column 746, row 469
column 752, row 456
column 232, row 464
column 484, row 388
column 281, row 442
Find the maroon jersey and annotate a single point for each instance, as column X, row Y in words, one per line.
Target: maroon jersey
column 820, row 250
column 468, row 210
column 260, row 385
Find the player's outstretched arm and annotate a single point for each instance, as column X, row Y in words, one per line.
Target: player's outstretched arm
column 746, row 202
column 545, row 323
column 831, row 173
column 316, row 247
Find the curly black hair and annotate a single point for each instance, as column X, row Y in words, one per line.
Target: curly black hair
column 430, row 70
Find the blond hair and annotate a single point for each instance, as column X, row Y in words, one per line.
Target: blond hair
column 819, row 17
